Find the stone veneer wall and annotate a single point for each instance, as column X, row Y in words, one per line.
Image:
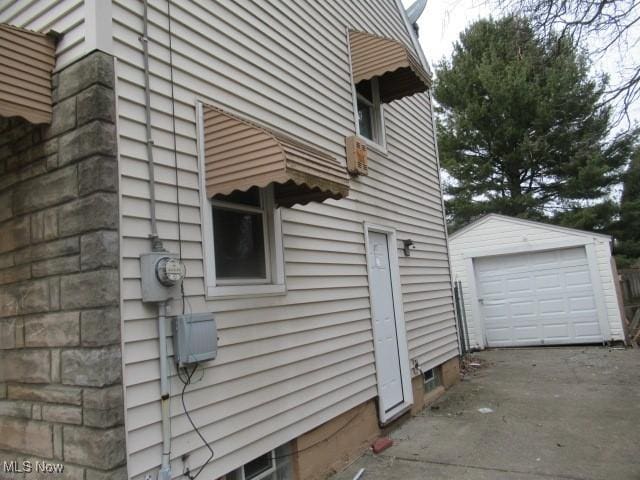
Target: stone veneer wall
column 60, row 354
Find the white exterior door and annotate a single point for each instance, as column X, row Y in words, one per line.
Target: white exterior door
column 384, row 318
column 537, row 298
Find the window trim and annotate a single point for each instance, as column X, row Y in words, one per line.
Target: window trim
column 276, row 285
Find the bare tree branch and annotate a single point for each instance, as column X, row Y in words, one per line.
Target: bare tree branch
column 603, row 28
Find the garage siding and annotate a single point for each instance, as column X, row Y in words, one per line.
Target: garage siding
column 286, row 363
column 495, row 232
column 603, row 251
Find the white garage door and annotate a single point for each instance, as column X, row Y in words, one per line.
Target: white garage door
column 539, row 298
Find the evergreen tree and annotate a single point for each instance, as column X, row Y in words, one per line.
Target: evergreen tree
column 522, row 129
column 628, row 231
column 600, row 218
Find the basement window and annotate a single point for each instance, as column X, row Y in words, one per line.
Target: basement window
column 273, row 465
column 261, row 467
column 432, row 379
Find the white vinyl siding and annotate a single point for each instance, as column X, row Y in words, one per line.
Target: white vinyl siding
column 497, row 233
column 286, row 363
column 66, row 17
column 603, row 254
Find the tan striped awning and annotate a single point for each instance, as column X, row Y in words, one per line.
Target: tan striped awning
column 399, row 71
column 26, row 61
column 240, row 154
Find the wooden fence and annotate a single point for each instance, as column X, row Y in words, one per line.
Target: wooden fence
column 630, row 284
column 630, row 292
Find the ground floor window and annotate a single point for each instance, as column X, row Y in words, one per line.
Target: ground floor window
column 242, row 239
column 242, row 223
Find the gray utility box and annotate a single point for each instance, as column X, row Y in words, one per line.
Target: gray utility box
column 195, row 338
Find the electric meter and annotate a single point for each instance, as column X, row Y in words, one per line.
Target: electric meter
column 161, row 274
column 169, row 271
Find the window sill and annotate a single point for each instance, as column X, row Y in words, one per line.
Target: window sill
column 244, row 291
column 371, row 145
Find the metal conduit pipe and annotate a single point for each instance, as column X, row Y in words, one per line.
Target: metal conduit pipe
column 156, row 244
column 165, row 469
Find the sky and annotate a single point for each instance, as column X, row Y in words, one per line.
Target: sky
column 443, row 20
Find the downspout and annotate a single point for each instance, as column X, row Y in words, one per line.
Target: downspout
column 156, row 246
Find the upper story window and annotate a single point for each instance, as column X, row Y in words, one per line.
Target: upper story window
column 382, row 70
column 370, row 123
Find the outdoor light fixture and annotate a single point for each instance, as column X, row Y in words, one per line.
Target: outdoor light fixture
column 408, row 244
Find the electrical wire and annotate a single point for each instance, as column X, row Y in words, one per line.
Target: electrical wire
column 185, row 300
column 333, row 434
column 186, row 383
column 175, row 142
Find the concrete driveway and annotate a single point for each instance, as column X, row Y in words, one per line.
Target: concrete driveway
column 557, row 413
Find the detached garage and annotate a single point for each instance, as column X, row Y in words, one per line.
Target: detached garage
column 529, row 283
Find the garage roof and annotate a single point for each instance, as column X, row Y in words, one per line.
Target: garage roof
column 480, row 221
